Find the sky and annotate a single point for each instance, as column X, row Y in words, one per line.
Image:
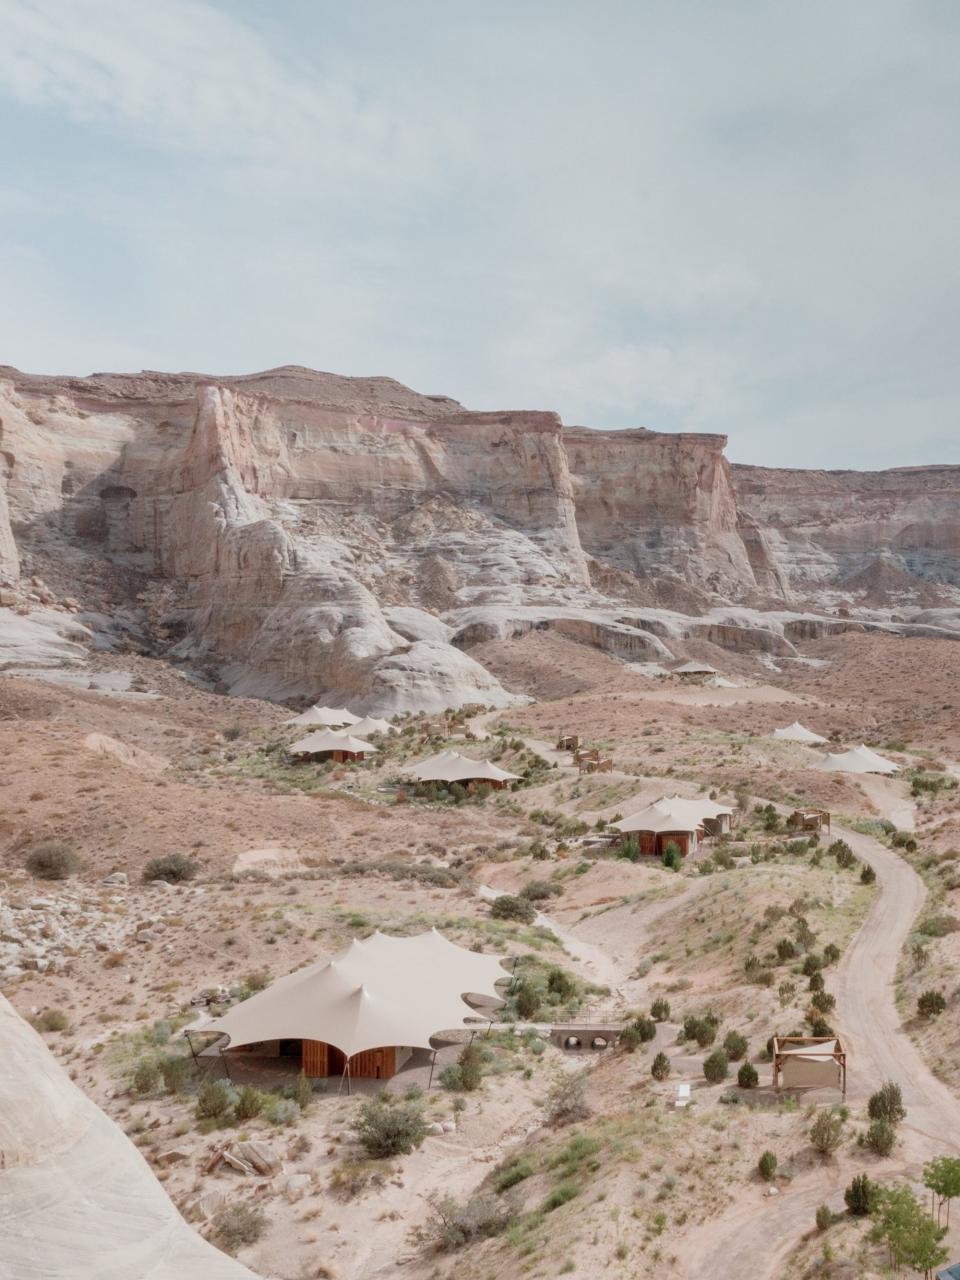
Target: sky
column 689, row 216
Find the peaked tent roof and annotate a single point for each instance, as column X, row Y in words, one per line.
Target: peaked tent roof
column 381, row 991
column 370, row 724
column 859, row 760
column 450, row 766
column 797, row 732
column 671, row 813
column 695, row 669
column 328, row 740
column 328, row 717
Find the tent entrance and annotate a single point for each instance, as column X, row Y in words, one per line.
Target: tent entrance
column 320, row 1060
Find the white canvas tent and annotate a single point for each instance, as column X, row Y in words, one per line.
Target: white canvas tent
column 328, row 740
column 797, row 732
column 695, row 669
column 450, row 766
column 379, row 991
column 370, row 724
column 325, row 717
column 858, row 760
column 672, row 814
column 809, row 1063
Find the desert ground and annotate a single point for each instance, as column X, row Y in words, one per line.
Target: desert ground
column 290, row 861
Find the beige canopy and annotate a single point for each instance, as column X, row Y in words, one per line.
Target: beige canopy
column 797, row 732
column 370, row 724
column 858, row 760
column 671, row 814
column 811, row 1066
column 695, row 669
column 450, row 766
column 328, row 740
column 381, row 991
column 326, row 717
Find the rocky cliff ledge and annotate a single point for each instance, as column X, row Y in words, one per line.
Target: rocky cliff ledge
column 301, row 533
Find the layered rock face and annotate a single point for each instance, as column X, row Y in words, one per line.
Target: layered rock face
column 319, row 535
column 872, row 532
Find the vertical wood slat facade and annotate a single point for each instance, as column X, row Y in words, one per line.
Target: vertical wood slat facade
column 320, row 1060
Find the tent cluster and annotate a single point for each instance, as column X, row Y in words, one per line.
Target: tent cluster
column 451, row 766
column 858, row 760
column 380, row 992
column 672, row 818
column 325, row 717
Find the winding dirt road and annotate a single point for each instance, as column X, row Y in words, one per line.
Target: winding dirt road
column 756, row 1236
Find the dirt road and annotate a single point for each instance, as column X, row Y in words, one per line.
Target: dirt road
column 757, row 1235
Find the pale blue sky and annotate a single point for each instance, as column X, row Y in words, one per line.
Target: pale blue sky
column 737, row 217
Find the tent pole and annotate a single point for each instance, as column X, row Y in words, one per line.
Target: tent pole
column 226, row 1069
column 349, row 1080
column 433, row 1063
column 192, row 1049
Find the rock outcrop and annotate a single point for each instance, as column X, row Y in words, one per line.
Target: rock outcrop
column 294, row 534
column 77, row 1199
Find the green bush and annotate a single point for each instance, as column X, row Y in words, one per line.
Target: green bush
column 660, row 1010
column 540, row 890
column 514, row 1171
column 931, row 1004
column 823, row 1001
column 826, row 1132
column 386, row 1130
column 303, row 1091
column 561, row 984
column 567, row 1099
column 451, row 1078
column 175, row 1071
column 452, row 1225
column 630, row 1039
column 51, row 1020
column 509, row 907
column 767, row 1166
column 786, row 949
column 646, row 1028
column 52, row 860
column 527, row 999
column 672, row 857
column 236, row 1225
column 214, row 1100
column 881, row 1137
column 470, row 1063
column 887, row 1104
column 831, row 953
column 715, row 1067
column 282, row 1112
column 559, row 1196
column 860, row 1196
column 146, row 1077
column 747, row 1077
column 867, row 874
column 250, row 1102
column 734, row 1046
column 174, row 868
column 824, row 1218
column 660, row 1067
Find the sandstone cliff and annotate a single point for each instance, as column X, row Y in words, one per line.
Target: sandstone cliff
column 315, row 535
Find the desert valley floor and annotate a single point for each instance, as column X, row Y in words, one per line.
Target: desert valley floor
column 292, row 861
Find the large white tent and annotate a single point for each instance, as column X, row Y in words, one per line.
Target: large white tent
column 695, row 669
column 325, row 717
column 370, row 724
column 858, row 760
column 450, row 766
column 328, row 740
column 797, row 732
column 379, row 991
column 672, row 814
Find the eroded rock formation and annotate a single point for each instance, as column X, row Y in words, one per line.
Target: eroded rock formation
column 299, row 533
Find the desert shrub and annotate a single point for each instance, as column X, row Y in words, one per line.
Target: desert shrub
column 747, row 1077
column 939, row 926
column 811, row 964
column 250, row 1102
column 767, row 1166
column 52, row 860
column 867, row 874
column 214, row 1100
column 672, row 857
column 660, row 1067
column 826, row 1132
column 232, row 732
column 282, row 1112
column 823, row 1001
column 238, row 1224
column 567, row 1099
column 819, row 1026
column 146, row 1077
column 860, row 1196
column 452, row 1225
column 470, row 1063
column 630, row 849
column 734, row 1046
column 527, row 999
column 646, row 1029
column 303, row 1091
column 703, row 1030
column 386, row 1130
column 715, row 1067
column 881, row 1137
column 174, row 868
column 786, row 949
column 540, row 890
column 514, row 1171
column 51, row 1020
column 831, row 953
column 887, row 1103
column 630, row 1039
column 560, row 1195
column 561, row 984
column 509, row 907
column 175, row 1071
column 931, row 1004
column 451, row 1078
column 824, row 1218
column 816, row 982
column 660, row 1010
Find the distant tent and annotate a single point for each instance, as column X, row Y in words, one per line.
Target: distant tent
column 674, row 818
column 328, row 717
column 450, row 766
column 809, row 1062
column 370, row 724
column 796, row 732
column 858, row 760
column 695, row 669
column 340, row 746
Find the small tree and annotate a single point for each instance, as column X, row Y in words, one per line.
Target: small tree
column 509, row 907
column 630, row 1039
column 567, row 1100
column 823, row 1001
column 672, row 857
column 942, row 1176
column 647, row 1029
column 931, row 1003
column 238, row 1224
column 214, row 1100
column 824, row 1218
column 826, row 1133
column 470, row 1063
column 831, row 953
column 303, row 1091
column 867, row 874
column 860, row 1196
column 881, row 1137
column 911, row 1236
column 715, row 1067
column 660, row 1010
column 386, row 1129
column 767, row 1166
column 887, row 1104
column 660, row 1067
column 786, row 949
column 734, row 1046
column 527, row 998
column 747, row 1077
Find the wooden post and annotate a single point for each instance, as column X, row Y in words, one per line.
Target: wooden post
column 433, row 1063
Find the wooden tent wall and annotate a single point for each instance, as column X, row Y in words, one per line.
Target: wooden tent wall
column 320, row 1060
